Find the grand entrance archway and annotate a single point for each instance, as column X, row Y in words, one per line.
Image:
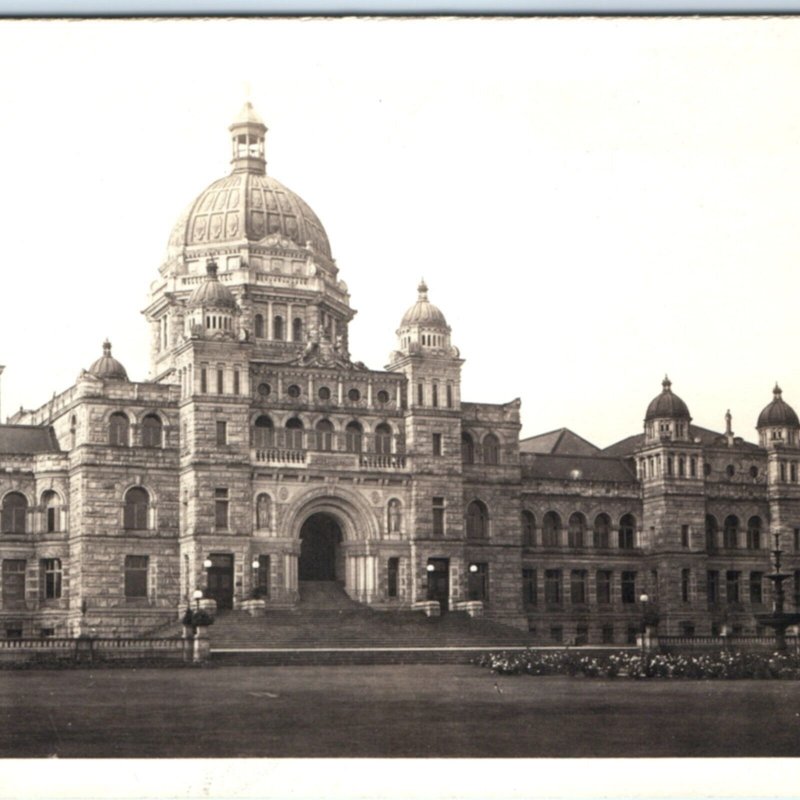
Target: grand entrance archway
column 320, row 558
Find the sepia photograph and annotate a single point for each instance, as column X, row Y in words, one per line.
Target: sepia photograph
column 400, row 389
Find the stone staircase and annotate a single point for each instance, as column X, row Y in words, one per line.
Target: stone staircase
column 327, row 627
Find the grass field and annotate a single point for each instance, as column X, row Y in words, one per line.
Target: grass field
column 385, row 711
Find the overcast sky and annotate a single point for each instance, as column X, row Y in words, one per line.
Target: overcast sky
column 592, row 203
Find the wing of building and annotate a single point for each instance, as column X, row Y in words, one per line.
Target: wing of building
column 259, row 457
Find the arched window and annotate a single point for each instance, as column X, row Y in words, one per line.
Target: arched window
column 528, row 529
column 263, row 432
column 754, row 537
column 263, row 512
column 294, row 434
column 477, row 520
column 491, row 449
column 467, row 448
column 394, row 516
column 259, row 326
column 711, row 533
column 353, row 434
column 601, row 534
column 277, row 328
column 152, row 431
column 137, row 506
column 730, row 533
column 15, row 512
column 627, row 532
column 50, row 505
column 551, row 530
column 577, row 530
column 297, row 330
column 324, row 430
column 119, row 429
column 383, row 439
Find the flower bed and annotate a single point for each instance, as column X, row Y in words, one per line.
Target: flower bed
column 722, row 665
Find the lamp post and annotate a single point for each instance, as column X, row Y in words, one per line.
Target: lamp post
column 255, row 565
column 197, row 595
column 649, row 623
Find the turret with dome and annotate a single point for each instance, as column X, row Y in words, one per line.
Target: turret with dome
column 778, row 423
column 667, row 416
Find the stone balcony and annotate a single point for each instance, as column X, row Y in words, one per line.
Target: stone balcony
column 304, row 458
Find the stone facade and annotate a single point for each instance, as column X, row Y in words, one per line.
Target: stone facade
column 258, row 455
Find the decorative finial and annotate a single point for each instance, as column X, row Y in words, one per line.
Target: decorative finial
column 666, row 383
column 728, row 421
column 106, row 348
column 777, row 391
column 422, row 289
column 211, row 268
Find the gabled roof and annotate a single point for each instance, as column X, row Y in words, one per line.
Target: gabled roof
column 576, row 467
column 27, row 440
column 562, row 441
column 708, row 438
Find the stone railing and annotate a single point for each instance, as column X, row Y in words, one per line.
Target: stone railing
column 80, row 649
column 383, row 462
column 276, row 455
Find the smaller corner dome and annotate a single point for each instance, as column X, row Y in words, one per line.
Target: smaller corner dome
column 667, row 405
column 211, row 293
column 107, row 367
column 778, row 412
column 423, row 312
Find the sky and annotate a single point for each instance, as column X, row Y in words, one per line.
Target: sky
column 593, row 203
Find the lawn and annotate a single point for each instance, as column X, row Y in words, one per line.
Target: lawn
column 384, row 711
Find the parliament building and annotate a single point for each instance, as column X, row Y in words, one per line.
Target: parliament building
column 258, row 456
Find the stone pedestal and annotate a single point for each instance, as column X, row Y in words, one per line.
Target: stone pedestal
column 430, row 608
column 256, row 607
column 202, row 645
column 188, row 642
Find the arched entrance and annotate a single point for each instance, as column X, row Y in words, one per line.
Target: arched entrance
column 320, row 537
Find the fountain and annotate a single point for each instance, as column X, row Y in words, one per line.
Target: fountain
column 778, row 619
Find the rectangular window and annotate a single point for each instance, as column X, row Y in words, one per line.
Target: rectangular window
column 221, row 509
column 13, row 584
column 449, row 396
column 50, row 570
column 52, row 519
column 732, row 585
column 237, row 386
column 552, row 587
column 529, row 587
column 136, row 576
column 222, row 432
column 420, row 395
column 684, row 535
column 630, row 634
column 693, row 466
column 607, row 634
column 220, row 382
column 478, row 582
column 581, row 634
column 685, row 577
column 687, row 628
column 604, row 586
column 628, row 587
column 47, row 633
column 577, row 587
column 756, row 588
column 262, row 577
column 437, row 444
column 435, row 395
column 712, row 587
column 203, row 380
column 14, row 633
column 557, row 634
column 438, row 516
column 392, row 573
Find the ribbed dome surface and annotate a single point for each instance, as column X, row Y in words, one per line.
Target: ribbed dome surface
column 211, row 293
column 667, row 405
column 248, row 206
column 778, row 413
column 423, row 312
column 107, row 367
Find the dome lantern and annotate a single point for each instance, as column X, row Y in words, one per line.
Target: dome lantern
column 423, row 327
column 107, row 367
column 667, row 416
column 778, row 423
column 248, row 134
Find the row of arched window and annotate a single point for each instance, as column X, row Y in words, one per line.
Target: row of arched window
column 489, row 449
column 578, row 534
column 14, row 515
column 729, row 535
column 278, row 328
column 151, row 430
column 295, row 436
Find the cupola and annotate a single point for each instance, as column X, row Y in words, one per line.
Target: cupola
column 778, row 423
column 212, row 305
column 424, row 327
column 248, row 133
column 107, row 367
column 667, row 416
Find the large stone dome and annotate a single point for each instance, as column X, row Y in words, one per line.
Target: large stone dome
column 248, row 205
column 667, row 405
column 778, row 413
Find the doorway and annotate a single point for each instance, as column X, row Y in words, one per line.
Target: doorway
column 220, row 580
column 439, row 581
column 320, row 537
